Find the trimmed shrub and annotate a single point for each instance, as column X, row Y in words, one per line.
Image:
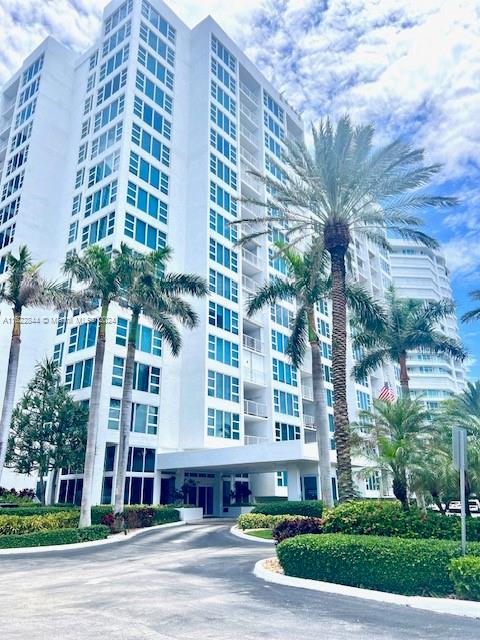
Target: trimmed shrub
column 409, row 567
column 309, row 508
column 465, row 575
column 24, row 496
column 13, row 525
column 289, row 528
column 137, row 516
column 387, row 518
column 262, row 521
column 55, row 536
column 36, row 510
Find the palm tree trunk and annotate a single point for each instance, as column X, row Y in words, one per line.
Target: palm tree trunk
column 404, row 379
column 400, row 490
column 93, row 416
column 321, row 418
column 337, row 251
column 10, row 385
column 125, row 421
column 53, row 488
column 41, row 483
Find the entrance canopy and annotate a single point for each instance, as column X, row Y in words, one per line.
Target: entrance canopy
column 255, row 458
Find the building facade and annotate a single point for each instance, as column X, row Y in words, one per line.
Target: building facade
column 148, row 138
column 421, row 273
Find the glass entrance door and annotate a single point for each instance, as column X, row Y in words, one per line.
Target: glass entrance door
column 205, row 500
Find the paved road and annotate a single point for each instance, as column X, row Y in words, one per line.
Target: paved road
column 187, row 584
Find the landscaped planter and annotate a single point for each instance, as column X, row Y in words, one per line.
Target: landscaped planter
column 234, row 511
column 190, row 514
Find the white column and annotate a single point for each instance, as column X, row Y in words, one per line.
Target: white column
column 294, row 483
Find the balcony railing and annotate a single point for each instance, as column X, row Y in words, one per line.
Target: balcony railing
column 249, row 228
column 249, row 179
column 251, row 258
column 248, row 92
column 308, row 421
column 307, row 392
column 254, row 440
column 256, row 376
column 249, row 157
column 251, row 115
column 252, row 343
column 248, row 135
column 249, row 284
column 253, row 408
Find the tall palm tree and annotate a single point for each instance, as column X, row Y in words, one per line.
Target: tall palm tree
column 307, row 284
column 343, row 188
column 99, row 274
column 24, row 288
column 147, row 290
column 393, row 433
column 411, row 324
column 474, row 314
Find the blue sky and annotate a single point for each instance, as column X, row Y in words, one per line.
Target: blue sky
column 410, row 66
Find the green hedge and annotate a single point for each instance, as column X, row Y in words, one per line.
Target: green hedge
column 310, row 508
column 409, row 567
column 465, row 575
column 18, row 525
column 262, row 521
column 55, row 536
column 387, row 518
column 36, row 510
column 138, row 516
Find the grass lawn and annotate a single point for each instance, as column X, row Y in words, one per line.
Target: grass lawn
column 266, row 534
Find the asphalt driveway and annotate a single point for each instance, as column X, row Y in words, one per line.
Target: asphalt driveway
column 189, row 583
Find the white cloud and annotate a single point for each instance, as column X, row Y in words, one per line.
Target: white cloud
column 25, row 23
column 410, row 66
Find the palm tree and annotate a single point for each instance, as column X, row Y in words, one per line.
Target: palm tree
column 147, row 290
column 308, row 284
column 341, row 189
column 474, row 314
column 433, row 475
column 99, row 272
column 24, row 288
column 464, row 410
column 411, row 324
column 393, row 433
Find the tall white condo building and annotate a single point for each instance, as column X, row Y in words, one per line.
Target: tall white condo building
column 147, row 139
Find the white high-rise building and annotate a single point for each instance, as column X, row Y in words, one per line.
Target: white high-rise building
column 147, row 139
column 421, row 273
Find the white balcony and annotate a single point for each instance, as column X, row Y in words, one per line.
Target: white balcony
column 249, row 93
column 308, row 421
column 249, row 114
column 254, row 376
column 254, row 440
column 250, row 180
column 249, row 136
column 257, row 409
column 249, row 157
column 253, row 211
column 251, row 228
column 249, row 284
column 252, row 343
column 251, row 258
column 307, row 392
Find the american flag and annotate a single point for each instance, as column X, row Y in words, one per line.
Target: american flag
column 386, row 393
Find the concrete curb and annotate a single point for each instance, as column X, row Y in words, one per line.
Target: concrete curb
column 463, row 608
column 115, row 538
column 239, row 533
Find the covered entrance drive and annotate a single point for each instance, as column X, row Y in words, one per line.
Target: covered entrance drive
column 219, row 479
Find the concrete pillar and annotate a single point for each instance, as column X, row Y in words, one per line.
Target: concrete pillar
column 294, row 483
